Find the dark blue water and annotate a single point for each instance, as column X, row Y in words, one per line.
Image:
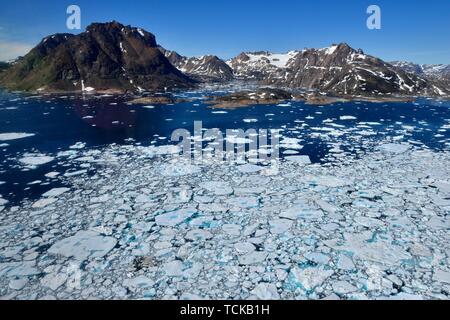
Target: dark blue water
column 59, row 122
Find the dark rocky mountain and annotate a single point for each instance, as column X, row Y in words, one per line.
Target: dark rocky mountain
column 339, row 70
column 205, row 68
column 105, row 56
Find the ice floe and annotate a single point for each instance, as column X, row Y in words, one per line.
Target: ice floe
column 15, row 136
column 149, row 224
column 83, row 245
column 34, row 160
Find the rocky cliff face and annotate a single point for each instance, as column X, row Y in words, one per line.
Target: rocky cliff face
column 106, row 56
column 205, row 68
column 339, row 70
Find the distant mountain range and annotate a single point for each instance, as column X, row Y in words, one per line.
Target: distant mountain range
column 431, row 71
column 111, row 56
column 339, row 69
column 205, row 68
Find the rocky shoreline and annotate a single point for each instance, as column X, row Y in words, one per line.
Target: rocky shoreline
column 278, row 96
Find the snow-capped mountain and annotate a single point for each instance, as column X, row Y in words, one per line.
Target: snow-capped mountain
column 338, row 69
column 259, row 65
column 206, row 68
column 436, row 71
column 113, row 56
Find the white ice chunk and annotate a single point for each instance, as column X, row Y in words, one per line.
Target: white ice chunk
column 266, row 291
column 255, row 257
column 84, row 245
column 279, row 226
column 174, row 218
column 394, row 148
column 139, row 282
column 309, row 278
column 198, row 235
column 243, row 202
column 35, row 159
column 44, row 202
column 217, row 187
column 301, row 160
column 55, row 192
column 14, row 136
column 249, row 168
column 347, row 118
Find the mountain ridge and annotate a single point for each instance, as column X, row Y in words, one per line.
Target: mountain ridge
column 338, row 69
column 111, row 56
column 205, row 68
column 105, row 56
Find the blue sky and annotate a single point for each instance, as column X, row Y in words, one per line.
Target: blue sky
column 417, row 31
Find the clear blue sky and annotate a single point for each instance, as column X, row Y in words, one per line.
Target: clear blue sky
column 416, row 30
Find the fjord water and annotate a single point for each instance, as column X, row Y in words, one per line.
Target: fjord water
column 61, row 122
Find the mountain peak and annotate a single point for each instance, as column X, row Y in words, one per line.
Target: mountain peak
column 106, row 56
column 112, row 25
column 116, row 29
